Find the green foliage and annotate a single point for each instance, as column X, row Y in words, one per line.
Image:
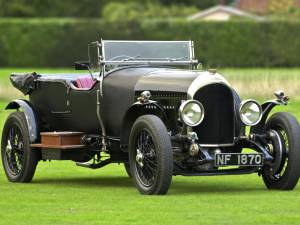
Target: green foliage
column 51, row 8
column 88, row 8
column 202, row 4
column 117, row 11
column 53, row 42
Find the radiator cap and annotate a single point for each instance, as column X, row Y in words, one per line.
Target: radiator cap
column 212, row 71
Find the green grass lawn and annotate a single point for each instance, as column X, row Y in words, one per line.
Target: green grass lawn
column 62, row 193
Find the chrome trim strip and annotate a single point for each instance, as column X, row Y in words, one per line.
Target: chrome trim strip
column 205, row 78
column 217, row 145
column 139, row 41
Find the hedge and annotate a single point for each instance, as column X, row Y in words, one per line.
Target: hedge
column 60, row 42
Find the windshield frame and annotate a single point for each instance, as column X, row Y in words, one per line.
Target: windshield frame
column 171, row 61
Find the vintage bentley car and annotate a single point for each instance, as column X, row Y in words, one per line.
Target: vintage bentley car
column 150, row 106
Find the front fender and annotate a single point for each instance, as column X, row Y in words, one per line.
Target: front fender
column 282, row 99
column 133, row 113
column 266, row 109
column 30, row 116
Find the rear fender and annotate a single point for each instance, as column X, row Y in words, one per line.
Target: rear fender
column 30, row 115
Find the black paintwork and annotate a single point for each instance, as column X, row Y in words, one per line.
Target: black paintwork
column 57, row 105
column 64, row 108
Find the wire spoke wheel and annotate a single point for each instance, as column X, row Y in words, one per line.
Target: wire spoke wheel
column 18, row 159
column 284, row 171
column 146, row 162
column 150, row 155
column 15, row 150
column 283, row 140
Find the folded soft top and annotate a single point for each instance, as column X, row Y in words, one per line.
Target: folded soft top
column 24, row 82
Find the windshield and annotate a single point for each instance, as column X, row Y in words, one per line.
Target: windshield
column 129, row 52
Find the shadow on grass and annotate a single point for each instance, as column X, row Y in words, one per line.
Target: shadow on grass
column 116, row 181
column 213, row 188
column 178, row 187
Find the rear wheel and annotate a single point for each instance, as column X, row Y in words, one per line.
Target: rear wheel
column 284, row 132
column 150, row 155
column 18, row 159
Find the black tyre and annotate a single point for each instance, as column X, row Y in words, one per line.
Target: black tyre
column 284, row 172
column 18, row 159
column 127, row 169
column 150, row 155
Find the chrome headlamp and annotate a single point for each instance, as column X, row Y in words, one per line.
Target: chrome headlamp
column 191, row 112
column 250, row 112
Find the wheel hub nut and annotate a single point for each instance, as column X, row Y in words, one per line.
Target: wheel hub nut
column 8, row 147
column 139, row 158
column 194, row 149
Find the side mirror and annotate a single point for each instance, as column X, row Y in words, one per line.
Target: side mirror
column 84, row 65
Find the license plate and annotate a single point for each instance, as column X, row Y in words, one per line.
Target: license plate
column 238, row 159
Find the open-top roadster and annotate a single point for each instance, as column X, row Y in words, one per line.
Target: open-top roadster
column 152, row 108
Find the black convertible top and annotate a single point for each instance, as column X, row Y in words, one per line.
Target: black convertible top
column 24, row 82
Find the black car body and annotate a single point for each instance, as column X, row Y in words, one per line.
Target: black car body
column 160, row 116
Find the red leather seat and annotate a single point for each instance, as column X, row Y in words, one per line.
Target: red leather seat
column 85, row 82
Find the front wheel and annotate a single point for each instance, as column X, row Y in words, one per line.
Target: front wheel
column 150, row 155
column 18, row 159
column 284, row 132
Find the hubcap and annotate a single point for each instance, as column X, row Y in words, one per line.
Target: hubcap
column 8, row 148
column 139, row 158
column 280, row 149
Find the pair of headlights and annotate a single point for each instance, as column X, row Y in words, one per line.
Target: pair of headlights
column 191, row 112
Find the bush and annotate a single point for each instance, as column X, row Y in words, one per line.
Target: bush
column 51, row 8
column 53, row 42
column 117, row 11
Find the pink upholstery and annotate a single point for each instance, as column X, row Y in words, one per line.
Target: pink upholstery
column 85, row 82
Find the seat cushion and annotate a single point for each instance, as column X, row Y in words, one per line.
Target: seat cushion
column 85, row 82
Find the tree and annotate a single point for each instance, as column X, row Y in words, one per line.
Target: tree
column 117, row 11
column 16, row 8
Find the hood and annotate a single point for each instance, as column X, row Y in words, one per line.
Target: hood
column 121, row 85
column 175, row 80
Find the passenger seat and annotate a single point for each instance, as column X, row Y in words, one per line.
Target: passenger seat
column 85, row 82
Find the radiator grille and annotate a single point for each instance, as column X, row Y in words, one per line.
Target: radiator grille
column 218, row 125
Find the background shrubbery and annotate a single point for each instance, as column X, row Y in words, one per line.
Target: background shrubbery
column 60, row 42
column 87, row 8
